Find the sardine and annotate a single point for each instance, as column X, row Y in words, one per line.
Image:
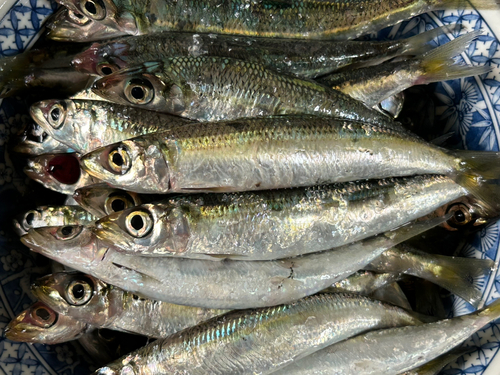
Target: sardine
column 59, row 172
column 373, row 84
column 87, row 125
column 395, row 350
column 260, row 341
column 209, row 88
column 35, row 141
column 50, row 216
column 454, row 274
column 279, row 152
column 291, row 56
column 393, row 294
column 222, row 285
column 274, row 224
column 363, row 282
column 436, row 365
column 101, row 305
column 329, row 19
column 40, row 324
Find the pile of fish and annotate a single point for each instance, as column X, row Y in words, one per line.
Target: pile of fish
column 240, row 188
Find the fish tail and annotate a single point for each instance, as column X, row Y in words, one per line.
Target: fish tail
column 438, row 64
column 467, row 4
column 479, row 173
column 457, row 276
column 419, row 44
column 490, row 312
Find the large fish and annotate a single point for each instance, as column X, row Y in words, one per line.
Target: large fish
column 206, row 283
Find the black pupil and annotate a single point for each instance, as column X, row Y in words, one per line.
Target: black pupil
column 117, row 159
column 66, row 231
column 90, row 7
column 459, row 216
column 106, row 70
column 78, row 291
column 42, row 314
column 55, row 113
column 138, row 93
column 118, row 205
column 78, row 15
column 29, row 218
column 137, row 222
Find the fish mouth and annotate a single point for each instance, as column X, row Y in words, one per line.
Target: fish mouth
column 91, row 164
column 39, row 112
column 109, row 88
column 36, row 242
column 107, row 231
column 14, row 330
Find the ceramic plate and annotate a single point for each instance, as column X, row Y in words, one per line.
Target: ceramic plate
column 468, row 109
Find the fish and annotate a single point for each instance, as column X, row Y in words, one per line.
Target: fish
column 101, row 200
column 59, row 172
column 35, row 141
column 392, row 293
column 225, row 284
column 275, row 224
column 392, row 106
column 455, row 274
column 40, row 324
column 49, row 216
column 102, row 305
column 436, row 365
column 301, row 58
column 371, row 85
column 394, row 350
column 363, row 282
column 85, row 125
column 208, row 88
column 330, row 19
column 280, row 152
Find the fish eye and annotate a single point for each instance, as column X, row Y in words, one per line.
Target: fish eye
column 79, row 292
column 139, row 223
column 77, row 18
column 68, row 232
column 139, row 91
column 119, row 160
column 105, row 69
column 461, row 215
column 115, row 203
column 94, row 9
column 29, row 218
column 56, row 115
column 43, row 316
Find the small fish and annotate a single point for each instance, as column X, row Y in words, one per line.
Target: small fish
column 40, row 324
column 225, row 284
column 35, row 141
column 392, row 106
column 436, row 365
column 457, row 275
column 371, row 85
column 86, row 125
column 102, row 200
column 330, row 19
column 101, row 305
column 49, row 216
column 363, row 282
column 59, row 172
column 280, row 152
column 275, row 224
column 209, row 88
column 302, row 58
column 392, row 293
column 395, row 350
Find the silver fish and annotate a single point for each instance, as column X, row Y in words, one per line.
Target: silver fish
column 363, row 282
column 35, row 141
column 393, row 294
column 436, row 365
column 260, row 341
column 101, row 305
column 394, row 350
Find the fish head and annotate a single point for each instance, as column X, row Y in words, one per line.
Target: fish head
column 102, row 200
column 163, row 227
column 76, row 294
column 59, row 172
column 102, row 59
column 68, row 25
column 137, row 165
column 144, row 87
column 40, row 324
column 467, row 212
column 34, row 140
column 24, row 222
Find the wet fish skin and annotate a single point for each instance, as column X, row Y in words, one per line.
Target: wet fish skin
column 218, row 88
column 253, row 341
column 40, row 324
column 274, row 224
column 85, row 125
column 390, row 351
column 49, row 216
column 363, row 282
column 266, row 153
column 436, row 365
column 113, row 308
column 213, row 284
column 35, row 141
column 291, row 56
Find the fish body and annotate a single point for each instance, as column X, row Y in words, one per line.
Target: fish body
column 436, row 365
column 363, row 282
column 87, row 125
column 35, row 141
column 274, row 224
column 260, row 341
